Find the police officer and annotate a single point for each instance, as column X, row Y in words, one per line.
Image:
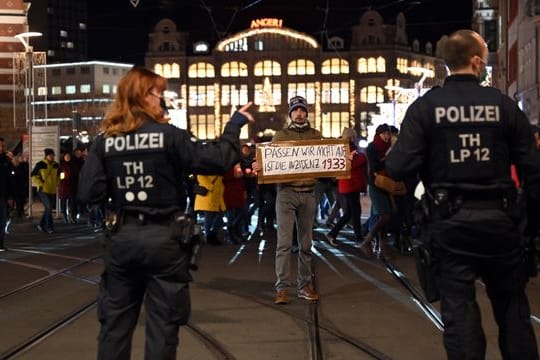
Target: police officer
column 462, row 138
column 138, row 165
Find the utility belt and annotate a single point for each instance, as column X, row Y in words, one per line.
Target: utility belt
column 440, row 203
column 182, row 228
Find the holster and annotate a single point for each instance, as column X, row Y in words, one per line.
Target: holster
column 424, row 266
column 186, row 231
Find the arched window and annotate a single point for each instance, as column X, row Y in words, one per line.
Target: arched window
column 234, row 69
column 371, row 95
column 301, row 67
column 267, row 68
column 175, row 70
column 381, row 64
column 335, row 66
column 201, row 70
column 167, row 71
column 158, row 69
column 362, row 66
column 372, row 65
column 402, row 64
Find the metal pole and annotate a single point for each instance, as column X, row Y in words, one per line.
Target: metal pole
column 30, row 120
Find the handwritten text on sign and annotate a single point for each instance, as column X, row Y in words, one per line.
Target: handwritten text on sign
column 296, row 160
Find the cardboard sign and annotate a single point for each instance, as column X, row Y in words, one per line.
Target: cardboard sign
column 286, row 161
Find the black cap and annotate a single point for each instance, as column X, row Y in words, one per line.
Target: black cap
column 48, row 151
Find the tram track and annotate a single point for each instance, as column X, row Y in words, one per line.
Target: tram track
column 316, row 350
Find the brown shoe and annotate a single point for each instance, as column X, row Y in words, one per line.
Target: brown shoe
column 281, row 298
column 307, row 293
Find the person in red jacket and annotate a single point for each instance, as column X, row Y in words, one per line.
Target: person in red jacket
column 235, row 197
column 351, row 189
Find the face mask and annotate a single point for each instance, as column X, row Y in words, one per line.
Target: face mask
column 163, row 106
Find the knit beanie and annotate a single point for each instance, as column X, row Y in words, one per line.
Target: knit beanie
column 296, row 102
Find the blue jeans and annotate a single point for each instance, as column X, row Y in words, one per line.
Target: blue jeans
column 46, row 221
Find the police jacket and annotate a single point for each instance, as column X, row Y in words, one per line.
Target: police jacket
column 46, row 176
column 465, row 136
column 291, row 133
column 144, row 170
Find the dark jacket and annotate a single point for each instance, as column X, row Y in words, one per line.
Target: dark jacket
column 143, row 170
column 6, row 176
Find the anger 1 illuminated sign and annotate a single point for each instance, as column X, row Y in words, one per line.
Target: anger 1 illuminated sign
column 266, row 22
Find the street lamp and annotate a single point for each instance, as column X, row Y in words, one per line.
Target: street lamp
column 29, row 101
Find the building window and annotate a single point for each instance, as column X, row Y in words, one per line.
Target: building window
column 85, row 70
column 106, row 70
column 274, row 93
column 63, row 33
column 203, row 126
column 306, row 90
column 234, row 69
column 56, row 90
column 301, row 67
column 106, row 88
column 70, row 71
column 259, row 45
column 201, row 95
column 42, row 91
column 372, row 65
column 402, row 65
column 336, row 43
column 85, row 88
column 234, row 95
column 267, row 68
column 333, row 123
column 71, row 89
column 70, row 45
column 238, row 45
column 82, row 26
column 158, row 69
column 335, row 92
column 371, row 95
column 201, row 70
column 50, row 53
column 56, row 72
column 335, row 66
column 115, row 71
column 114, row 89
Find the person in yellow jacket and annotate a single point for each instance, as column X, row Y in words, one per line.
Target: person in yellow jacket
column 209, row 199
column 45, row 177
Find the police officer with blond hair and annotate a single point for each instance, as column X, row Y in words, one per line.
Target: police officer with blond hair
column 462, row 139
column 138, row 165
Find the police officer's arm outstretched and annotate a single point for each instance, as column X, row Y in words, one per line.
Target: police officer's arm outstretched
column 138, row 166
column 462, row 139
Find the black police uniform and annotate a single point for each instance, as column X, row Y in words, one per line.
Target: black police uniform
column 141, row 174
column 462, row 138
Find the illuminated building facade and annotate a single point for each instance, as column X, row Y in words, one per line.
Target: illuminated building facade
column 269, row 63
column 85, row 88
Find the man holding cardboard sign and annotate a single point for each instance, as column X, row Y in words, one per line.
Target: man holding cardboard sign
column 295, row 203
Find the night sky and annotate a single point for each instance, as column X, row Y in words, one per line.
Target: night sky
column 119, row 32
